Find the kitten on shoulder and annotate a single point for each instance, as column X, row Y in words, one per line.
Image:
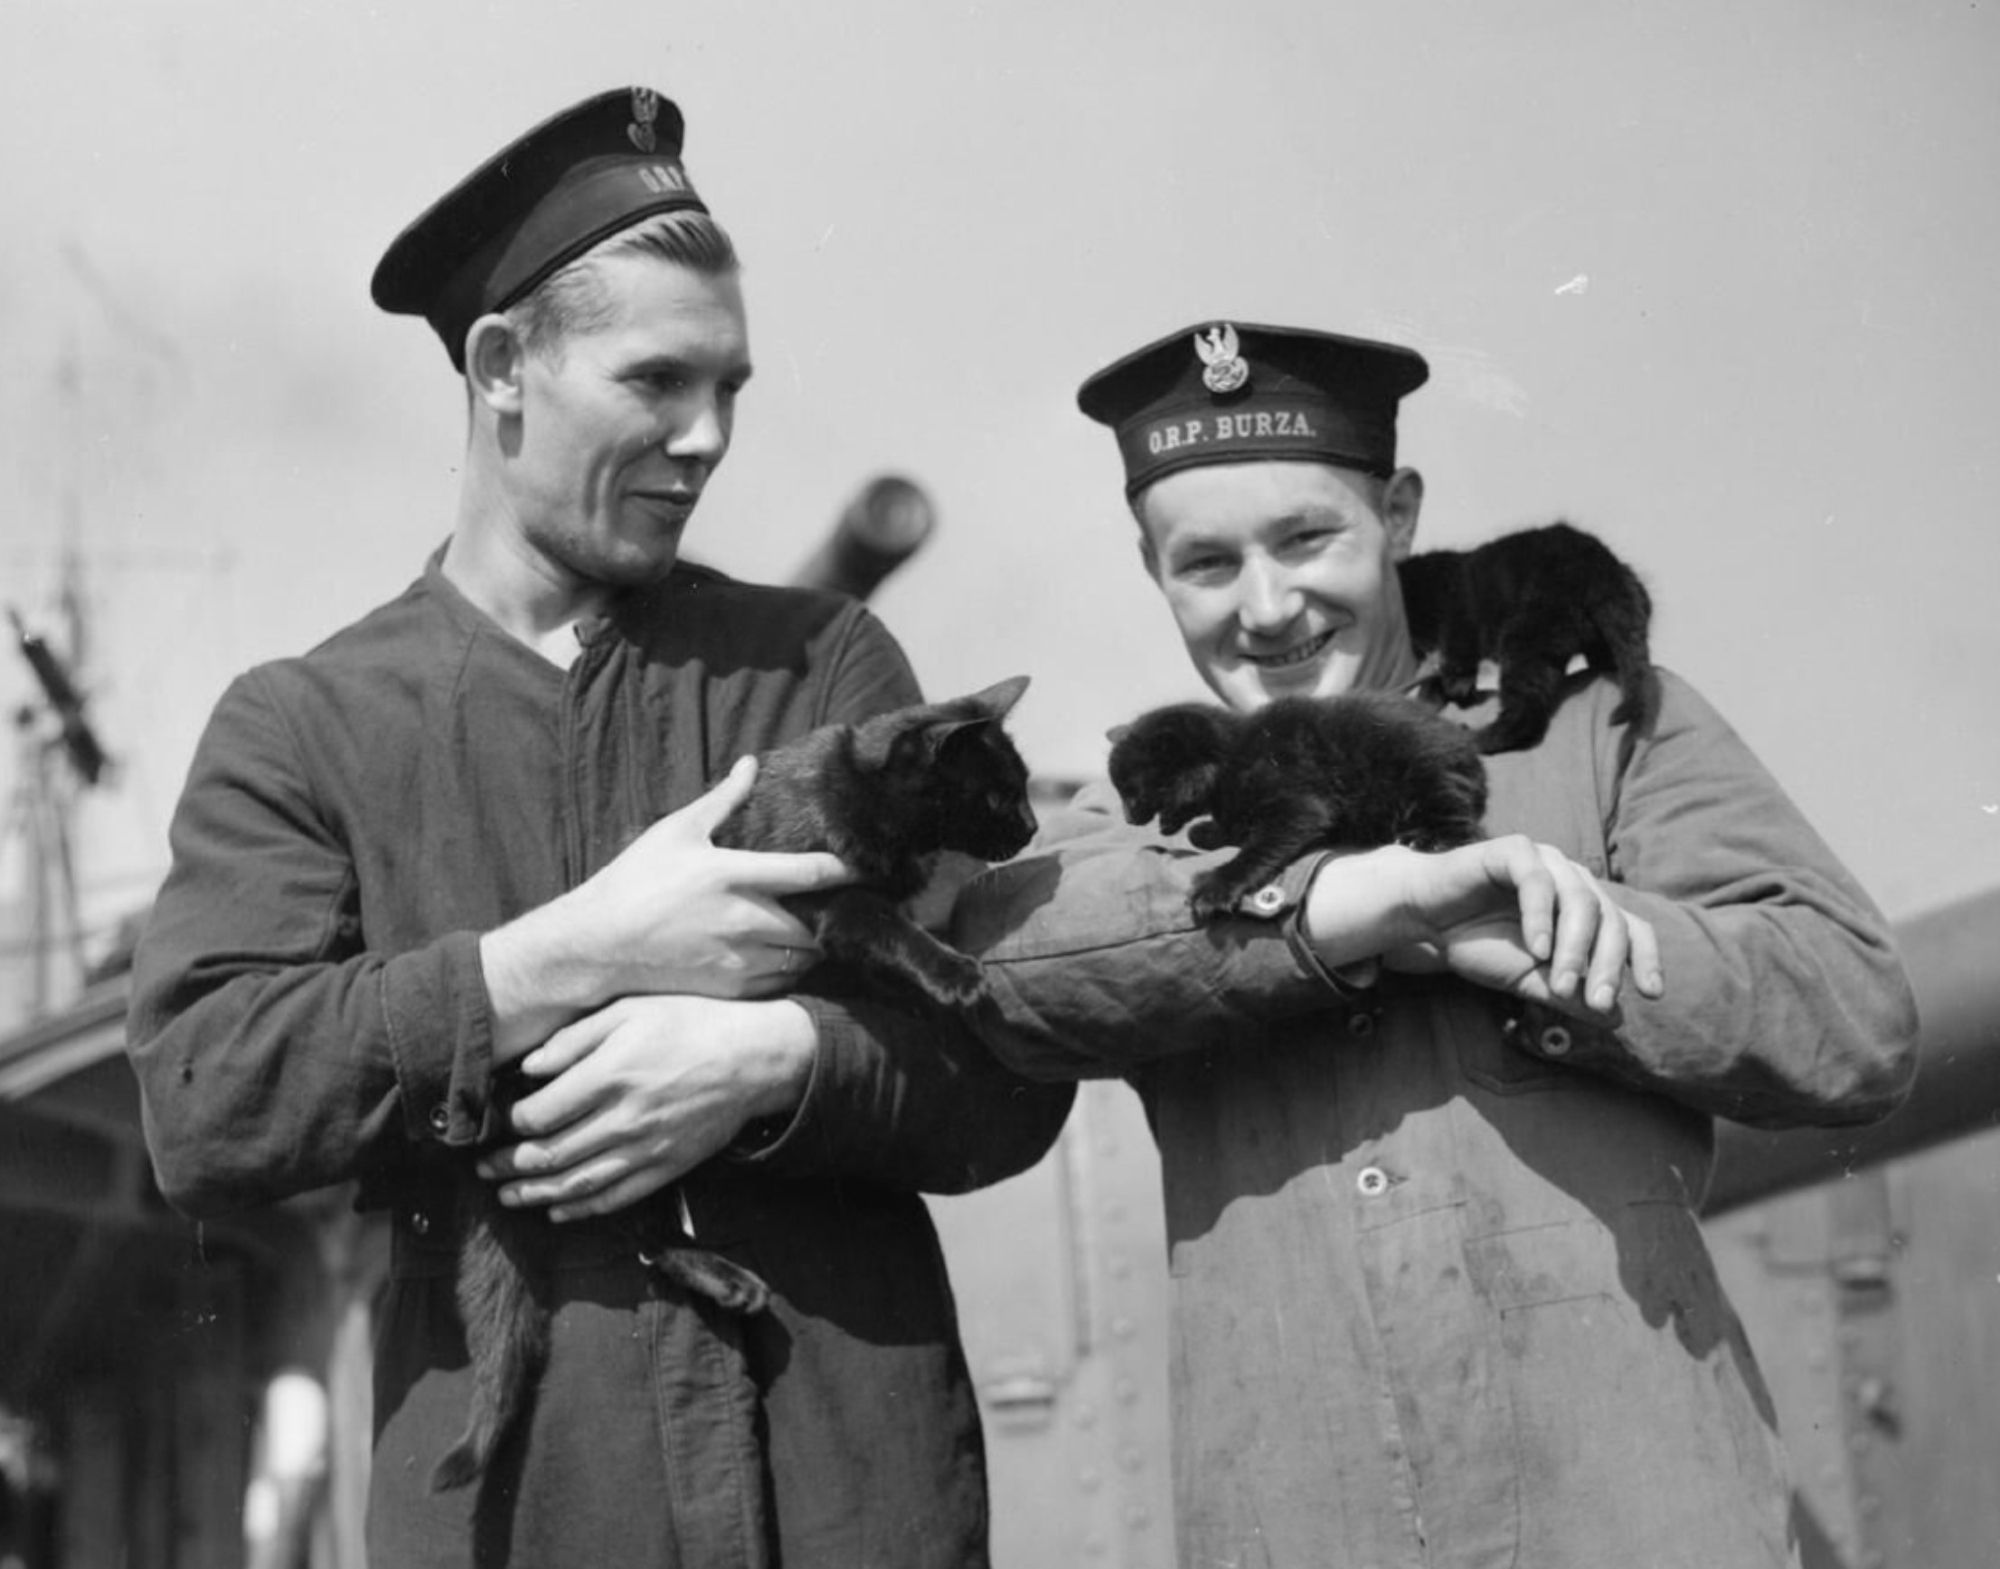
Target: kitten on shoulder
column 1531, row 601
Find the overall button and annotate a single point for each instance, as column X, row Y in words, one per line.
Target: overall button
column 1360, row 1025
column 440, row 1119
column 1268, row 900
column 1373, row 1182
column 420, row 1222
column 1555, row 1041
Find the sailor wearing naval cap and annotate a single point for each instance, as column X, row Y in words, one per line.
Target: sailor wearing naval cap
column 466, row 840
column 556, row 192
column 1232, row 428
column 1433, row 1126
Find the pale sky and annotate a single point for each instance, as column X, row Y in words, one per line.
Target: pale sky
column 1711, row 278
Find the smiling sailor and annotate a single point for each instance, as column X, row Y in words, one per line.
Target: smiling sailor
column 1434, row 1127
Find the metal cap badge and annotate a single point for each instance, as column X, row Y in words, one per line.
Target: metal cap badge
column 544, row 199
column 1224, row 367
column 645, row 110
column 1251, row 392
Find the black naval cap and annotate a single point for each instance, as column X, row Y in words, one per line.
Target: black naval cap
column 540, row 202
column 1231, row 392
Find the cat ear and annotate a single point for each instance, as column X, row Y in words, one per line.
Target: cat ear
column 908, row 735
column 962, row 716
column 997, row 701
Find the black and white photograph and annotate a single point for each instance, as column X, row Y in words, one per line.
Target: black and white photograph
column 999, row 785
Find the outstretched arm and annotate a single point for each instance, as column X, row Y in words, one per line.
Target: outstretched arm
column 1096, row 963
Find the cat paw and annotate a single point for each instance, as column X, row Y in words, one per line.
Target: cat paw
column 956, row 985
column 1510, row 735
column 1204, row 835
column 1214, row 895
column 728, row 1286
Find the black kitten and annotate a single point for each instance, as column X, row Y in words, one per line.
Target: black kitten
column 1531, row 601
column 1358, row 770
column 884, row 795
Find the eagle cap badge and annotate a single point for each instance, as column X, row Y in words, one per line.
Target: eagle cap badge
column 645, row 110
column 1224, row 369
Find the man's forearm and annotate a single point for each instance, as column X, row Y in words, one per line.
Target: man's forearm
column 1358, row 907
column 536, row 981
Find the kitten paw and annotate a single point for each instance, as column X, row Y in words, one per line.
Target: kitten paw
column 956, row 985
column 1215, row 895
column 728, row 1286
column 1204, row 835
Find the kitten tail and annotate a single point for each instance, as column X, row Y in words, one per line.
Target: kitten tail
column 507, row 1339
column 1623, row 620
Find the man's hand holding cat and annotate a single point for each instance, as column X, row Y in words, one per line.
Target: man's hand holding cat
column 672, row 913
column 641, row 1092
column 1508, row 914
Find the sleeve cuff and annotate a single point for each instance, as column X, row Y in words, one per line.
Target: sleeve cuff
column 1286, row 899
column 440, row 1027
column 765, row 1139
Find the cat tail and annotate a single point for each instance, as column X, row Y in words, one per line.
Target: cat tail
column 507, row 1342
column 1623, row 619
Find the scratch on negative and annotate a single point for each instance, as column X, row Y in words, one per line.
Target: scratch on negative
column 1549, row 1302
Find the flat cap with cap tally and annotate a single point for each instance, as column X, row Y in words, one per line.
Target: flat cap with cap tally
column 1235, row 392
column 540, row 202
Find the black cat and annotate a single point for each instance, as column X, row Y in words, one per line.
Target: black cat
column 884, row 795
column 1532, row 602
column 1361, row 769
